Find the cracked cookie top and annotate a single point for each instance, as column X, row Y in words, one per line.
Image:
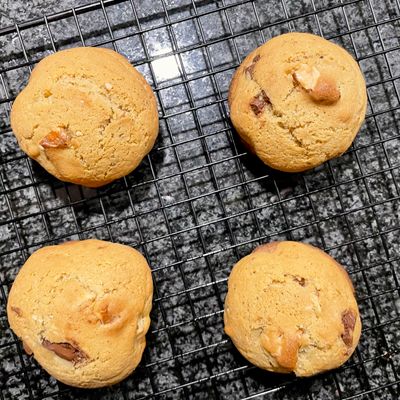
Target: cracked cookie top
column 290, row 307
column 87, row 116
column 297, row 101
column 82, row 309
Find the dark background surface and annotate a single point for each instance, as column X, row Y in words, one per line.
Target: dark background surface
column 198, row 203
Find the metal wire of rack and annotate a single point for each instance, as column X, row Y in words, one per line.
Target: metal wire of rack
column 199, row 202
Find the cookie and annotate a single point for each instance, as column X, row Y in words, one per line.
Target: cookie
column 87, row 116
column 82, row 309
column 290, row 307
column 297, row 101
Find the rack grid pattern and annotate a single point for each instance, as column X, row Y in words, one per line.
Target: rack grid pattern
column 199, row 202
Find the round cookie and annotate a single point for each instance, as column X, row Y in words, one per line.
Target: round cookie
column 82, row 309
column 297, row 101
column 87, row 116
column 290, row 307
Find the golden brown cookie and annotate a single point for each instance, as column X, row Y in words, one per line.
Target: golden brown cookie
column 298, row 101
column 290, row 307
column 87, row 116
column 82, row 309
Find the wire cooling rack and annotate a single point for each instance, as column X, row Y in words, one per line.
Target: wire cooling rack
column 199, row 202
